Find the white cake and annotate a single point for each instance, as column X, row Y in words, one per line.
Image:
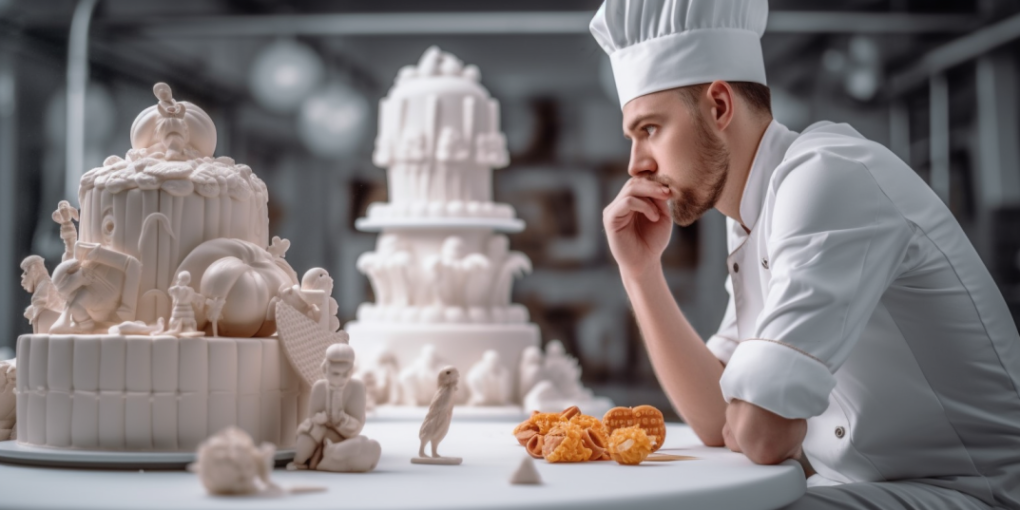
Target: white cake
column 441, row 272
column 123, row 355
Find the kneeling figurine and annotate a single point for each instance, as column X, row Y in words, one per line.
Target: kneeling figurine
column 329, row 440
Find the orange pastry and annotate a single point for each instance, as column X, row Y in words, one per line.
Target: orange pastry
column 618, row 417
column 650, row 419
column 629, row 445
column 535, row 446
column 565, row 443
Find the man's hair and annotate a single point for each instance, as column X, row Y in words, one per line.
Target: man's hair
column 758, row 96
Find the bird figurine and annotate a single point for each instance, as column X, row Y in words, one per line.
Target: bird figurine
column 437, row 421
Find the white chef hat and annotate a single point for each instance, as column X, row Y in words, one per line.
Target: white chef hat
column 662, row 44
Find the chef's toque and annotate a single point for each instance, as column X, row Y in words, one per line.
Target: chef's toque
column 662, row 44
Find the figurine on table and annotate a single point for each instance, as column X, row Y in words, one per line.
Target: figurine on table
column 437, row 421
column 329, row 440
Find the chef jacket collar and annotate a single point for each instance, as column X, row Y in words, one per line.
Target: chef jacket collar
column 771, row 150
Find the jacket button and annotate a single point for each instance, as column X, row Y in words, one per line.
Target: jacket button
column 765, row 263
column 736, row 267
column 840, row 432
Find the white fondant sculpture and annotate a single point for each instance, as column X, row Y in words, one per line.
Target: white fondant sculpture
column 93, row 284
column 530, row 372
column 526, row 473
column 489, row 381
column 184, row 298
column 229, row 464
column 46, row 301
column 64, row 215
column 329, row 438
column 418, row 380
column 305, row 340
column 437, row 421
column 8, row 400
column 554, row 383
column 166, row 210
column 442, row 271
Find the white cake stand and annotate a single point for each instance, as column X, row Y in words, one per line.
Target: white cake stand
column 13, row 452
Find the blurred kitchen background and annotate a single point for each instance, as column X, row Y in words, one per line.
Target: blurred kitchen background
column 293, row 87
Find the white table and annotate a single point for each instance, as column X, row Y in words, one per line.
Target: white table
column 718, row 480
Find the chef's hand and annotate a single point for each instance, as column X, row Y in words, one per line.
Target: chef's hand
column 638, row 225
column 765, row 437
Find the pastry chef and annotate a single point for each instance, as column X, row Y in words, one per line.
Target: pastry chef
column 863, row 337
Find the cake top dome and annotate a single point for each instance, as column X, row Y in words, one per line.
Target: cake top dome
column 172, row 146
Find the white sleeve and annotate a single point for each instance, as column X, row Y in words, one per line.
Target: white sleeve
column 836, row 243
column 724, row 341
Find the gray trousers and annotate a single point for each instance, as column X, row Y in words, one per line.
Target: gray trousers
column 885, row 496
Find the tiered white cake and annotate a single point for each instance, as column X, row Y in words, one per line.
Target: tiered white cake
column 441, row 272
column 173, row 248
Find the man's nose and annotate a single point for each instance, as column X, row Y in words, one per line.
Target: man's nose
column 641, row 162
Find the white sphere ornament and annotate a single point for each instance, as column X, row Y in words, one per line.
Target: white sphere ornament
column 284, row 74
column 332, row 122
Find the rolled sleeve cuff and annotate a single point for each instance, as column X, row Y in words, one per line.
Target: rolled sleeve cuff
column 779, row 378
column 722, row 347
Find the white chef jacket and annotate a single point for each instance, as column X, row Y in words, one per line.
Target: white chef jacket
column 857, row 302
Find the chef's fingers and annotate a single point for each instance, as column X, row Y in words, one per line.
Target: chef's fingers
column 644, row 188
column 729, row 440
column 620, row 213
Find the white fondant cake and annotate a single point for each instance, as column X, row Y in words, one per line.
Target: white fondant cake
column 156, row 330
column 442, row 273
column 153, row 392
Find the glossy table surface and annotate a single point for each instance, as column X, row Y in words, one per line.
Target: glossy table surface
column 717, row 479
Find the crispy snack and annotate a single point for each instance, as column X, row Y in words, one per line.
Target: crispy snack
column 565, row 443
column 546, row 421
column 586, row 422
column 594, row 440
column 535, row 446
column 570, row 412
column 618, row 417
column 629, row 445
column 650, row 419
column 525, row 431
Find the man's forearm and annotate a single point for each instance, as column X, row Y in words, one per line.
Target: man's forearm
column 686, row 369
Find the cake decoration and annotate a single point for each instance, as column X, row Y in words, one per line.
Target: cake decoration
column 526, row 473
column 330, row 439
column 229, row 464
column 437, row 421
column 156, row 329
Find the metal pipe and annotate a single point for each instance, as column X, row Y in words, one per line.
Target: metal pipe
column 961, row 50
column 77, row 82
column 938, row 142
column 490, row 23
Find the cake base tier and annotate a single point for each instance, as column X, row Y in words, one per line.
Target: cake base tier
column 509, row 225
column 13, row 452
column 460, row 345
column 159, row 393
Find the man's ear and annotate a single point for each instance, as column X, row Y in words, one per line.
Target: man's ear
column 721, row 97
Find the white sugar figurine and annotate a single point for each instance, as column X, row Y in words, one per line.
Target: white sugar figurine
column 229, row 463
column 329, row 439
column 437, row 421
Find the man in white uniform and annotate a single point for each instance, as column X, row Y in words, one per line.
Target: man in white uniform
column 864, row 337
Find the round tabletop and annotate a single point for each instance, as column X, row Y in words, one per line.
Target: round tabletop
column 718, row 478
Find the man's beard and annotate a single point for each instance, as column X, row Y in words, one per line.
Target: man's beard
column 686, row 205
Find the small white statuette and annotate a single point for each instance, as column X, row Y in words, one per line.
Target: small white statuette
column 418, row 380
column 46, row 301
column 489, row 381
column 278, row 248
column 8, row 400
column 329, row 438
column 64, row 215
column 563, row 371
column 182, row 316
column 229, row 463
column 531, row 371
column 526, row 473
column 437, row 421
column 92, row 285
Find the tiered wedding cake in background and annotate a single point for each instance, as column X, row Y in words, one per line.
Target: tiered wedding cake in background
column 442, row 272
column 156, row 330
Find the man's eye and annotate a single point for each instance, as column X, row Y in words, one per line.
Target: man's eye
column 650, row 130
